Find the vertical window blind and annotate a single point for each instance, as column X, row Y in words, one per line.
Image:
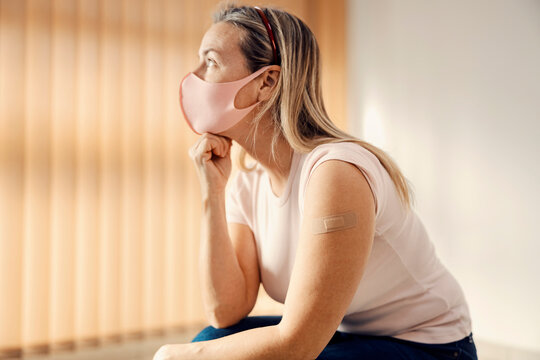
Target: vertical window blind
column 99, row 201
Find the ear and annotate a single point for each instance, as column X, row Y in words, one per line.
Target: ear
column 269, row 81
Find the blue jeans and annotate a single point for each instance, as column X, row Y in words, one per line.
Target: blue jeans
column 353, row 346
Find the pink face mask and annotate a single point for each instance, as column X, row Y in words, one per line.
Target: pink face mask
column 209, row 107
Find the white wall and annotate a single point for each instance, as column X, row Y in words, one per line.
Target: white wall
column 451, row 89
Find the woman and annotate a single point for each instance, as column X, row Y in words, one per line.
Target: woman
column 323, row 220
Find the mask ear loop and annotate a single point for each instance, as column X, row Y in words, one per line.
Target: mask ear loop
column 270, row 33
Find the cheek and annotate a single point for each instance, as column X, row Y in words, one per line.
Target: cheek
column 247, row 96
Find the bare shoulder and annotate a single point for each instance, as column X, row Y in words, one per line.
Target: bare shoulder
column 338, row 184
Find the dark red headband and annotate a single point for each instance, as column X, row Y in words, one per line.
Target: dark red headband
column 270, row 33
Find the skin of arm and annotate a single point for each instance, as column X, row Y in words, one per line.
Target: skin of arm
column 328, row 268
column 223, row 275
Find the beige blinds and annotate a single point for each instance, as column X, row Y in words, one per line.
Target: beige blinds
column 99, row 201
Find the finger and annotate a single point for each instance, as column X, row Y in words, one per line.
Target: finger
column 221, row 149
column 209, row 146
column 219, row 143
column 224, row 147
column 227, row 143
column 195, row 150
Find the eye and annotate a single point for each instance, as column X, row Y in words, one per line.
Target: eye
column 210, row 62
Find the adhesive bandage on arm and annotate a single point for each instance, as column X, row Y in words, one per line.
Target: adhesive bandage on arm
column 332, row 223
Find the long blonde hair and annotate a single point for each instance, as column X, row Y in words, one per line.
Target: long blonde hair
column 296, row 106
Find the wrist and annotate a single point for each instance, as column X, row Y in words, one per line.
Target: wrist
column 213, row 191
column 213, row 200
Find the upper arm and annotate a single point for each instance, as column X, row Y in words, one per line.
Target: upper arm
column 328, row 267
column 245, row 249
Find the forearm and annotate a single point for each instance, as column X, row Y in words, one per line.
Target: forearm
column 222, row 279
column 259, row 343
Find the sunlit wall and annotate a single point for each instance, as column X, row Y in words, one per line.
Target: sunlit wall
column 451, row 89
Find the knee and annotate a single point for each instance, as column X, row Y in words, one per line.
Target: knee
column 210, row 333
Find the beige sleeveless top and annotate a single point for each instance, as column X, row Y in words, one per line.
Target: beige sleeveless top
column 405, row 292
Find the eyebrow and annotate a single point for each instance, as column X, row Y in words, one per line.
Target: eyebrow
column 207, row 51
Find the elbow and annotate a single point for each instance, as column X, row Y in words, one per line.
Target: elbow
column 224, row 317
column 296, row 346
column 219, row 323
column 300, row 351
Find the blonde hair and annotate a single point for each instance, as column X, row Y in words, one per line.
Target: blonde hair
column 296, row 106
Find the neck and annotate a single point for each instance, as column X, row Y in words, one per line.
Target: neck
column 278, row 168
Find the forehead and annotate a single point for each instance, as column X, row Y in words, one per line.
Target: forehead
column 223, row 37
